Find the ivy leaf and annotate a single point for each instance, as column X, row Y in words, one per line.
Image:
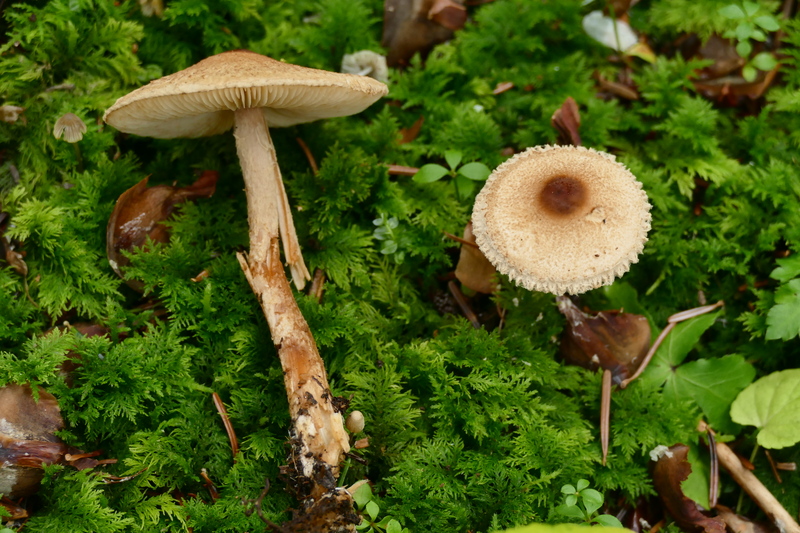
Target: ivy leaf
column 373, row 510
column 743, row 48
column 713, row 384
column 751, row 8
column 772, row 404
column 430, row 173
column 362, row 495
column 676, row 347
column 608, row 521
column 767, row 22
column 744, row 30
column 788, row 268
column 592, row 500
column 475, row 171
column 783, row 320
column 570, row 511
column 732, row 12
column 453, row 158
column 464, row 186
column 393, row 526
column 764, row 61
column 695, row 487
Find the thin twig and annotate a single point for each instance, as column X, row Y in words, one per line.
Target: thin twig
column 311, row 161
column 757, row 491
column 212, row 489
column 773, row 467
column 713, row 485
column 227, row 423
column 463, row 304
column 317, row 284
column 605, row 413
column 255, row 505
column 459, row 239
column 400, row 170
column 671, row 322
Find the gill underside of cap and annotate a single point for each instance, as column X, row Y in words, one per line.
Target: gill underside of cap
column 201, row 99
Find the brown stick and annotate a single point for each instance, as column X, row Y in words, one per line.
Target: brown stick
column 756, row 490
column 227, row 423
column 605, row 413
column 464, row 305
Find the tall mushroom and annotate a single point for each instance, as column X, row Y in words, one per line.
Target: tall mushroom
column 249, row 92
column 561, row 219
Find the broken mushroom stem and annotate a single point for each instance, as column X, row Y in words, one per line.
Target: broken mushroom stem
column 267, row 204
column 317, row 427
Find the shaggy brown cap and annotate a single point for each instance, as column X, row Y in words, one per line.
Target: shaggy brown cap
column 562, row 219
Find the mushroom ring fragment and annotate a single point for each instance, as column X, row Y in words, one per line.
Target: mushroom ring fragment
column 562, row 219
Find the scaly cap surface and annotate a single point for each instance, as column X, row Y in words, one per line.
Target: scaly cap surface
column 562, row 219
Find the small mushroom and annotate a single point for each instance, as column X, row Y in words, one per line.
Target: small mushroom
column 10, row 113
column 355, row 422
column 70, row 126
column 562, row 219
column 366, row 63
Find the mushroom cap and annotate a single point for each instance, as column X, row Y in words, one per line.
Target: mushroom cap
column 201, row 100
column 70, row 126
column 562, row 219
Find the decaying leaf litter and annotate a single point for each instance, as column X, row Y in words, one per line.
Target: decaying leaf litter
column 470, row 425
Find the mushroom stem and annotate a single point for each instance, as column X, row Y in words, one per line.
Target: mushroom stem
column 266, row 195
column 318, row 437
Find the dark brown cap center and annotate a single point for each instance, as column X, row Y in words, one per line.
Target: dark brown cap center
column 562, row 195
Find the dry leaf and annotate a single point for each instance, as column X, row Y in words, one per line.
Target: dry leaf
column 139, row 214
column 415, row 26
column 671, row 469
column 474, row 270
column 610, row 340
column 567, row 120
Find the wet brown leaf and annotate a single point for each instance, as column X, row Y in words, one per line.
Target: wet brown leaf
column 567, row 120
column 15, row 511
column 473, row 269
column 670, row 471
column 610, row 340
column 416, row 26
column 449, row 14
column 139, row 214
column 409, row 134
column 27, row 438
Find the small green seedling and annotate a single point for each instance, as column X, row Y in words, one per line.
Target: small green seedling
column 369, row 510
column 582, row 503
column 464, row 177
column 393, row 240
column 753, row 21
